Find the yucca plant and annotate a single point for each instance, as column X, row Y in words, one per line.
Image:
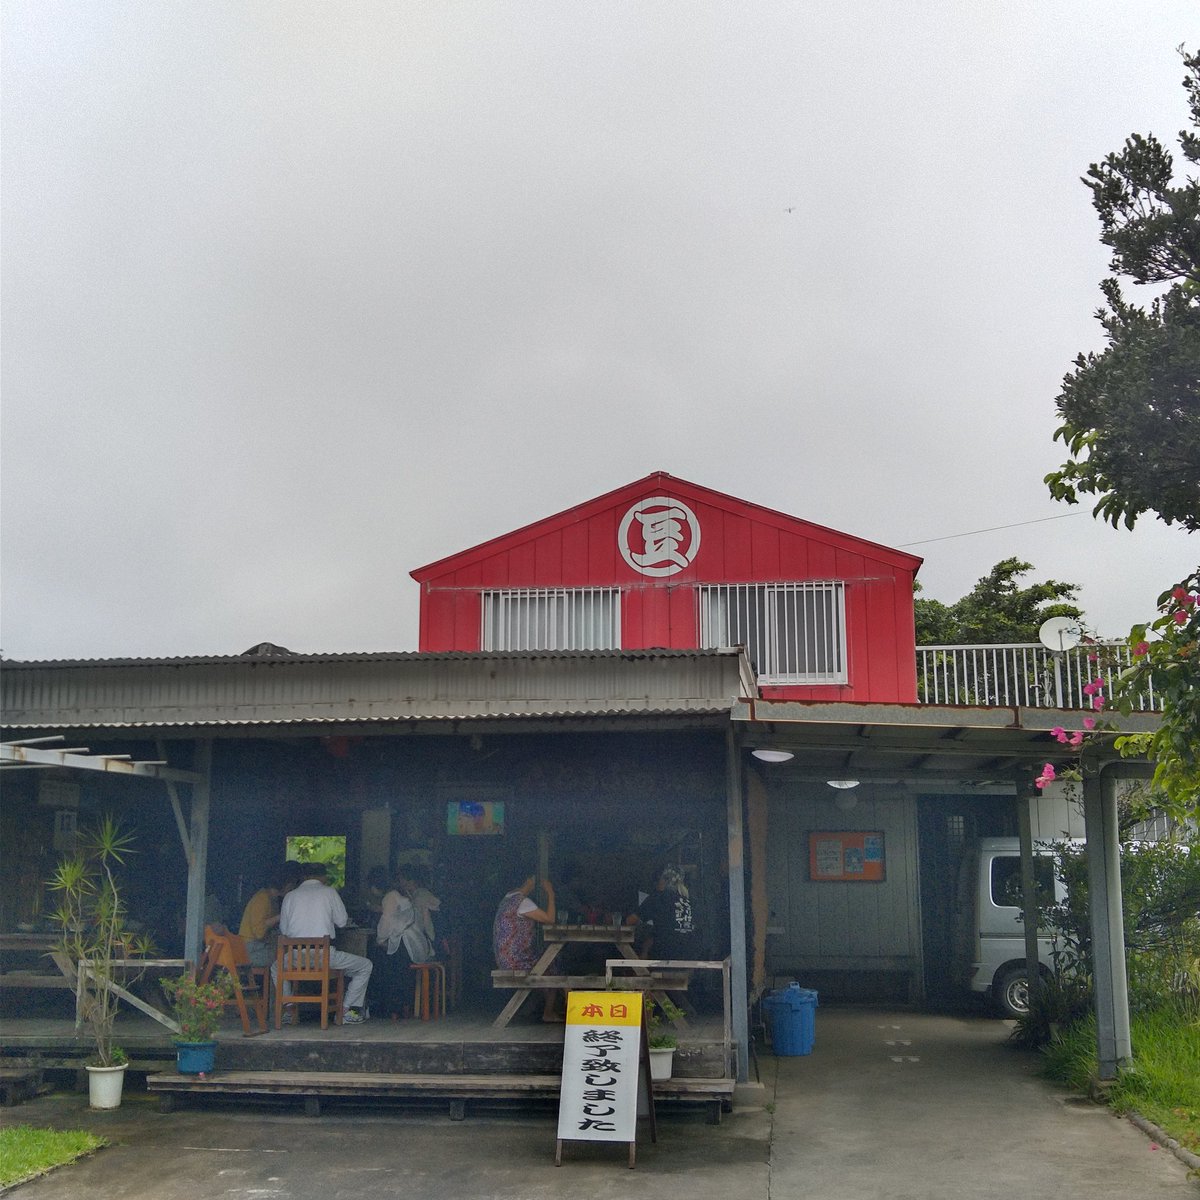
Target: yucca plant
column 94, row 929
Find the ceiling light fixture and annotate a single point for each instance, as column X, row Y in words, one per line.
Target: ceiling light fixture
column 842, row 784
column 773, row 756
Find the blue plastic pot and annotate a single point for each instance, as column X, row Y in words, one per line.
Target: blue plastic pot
column 195, row 1058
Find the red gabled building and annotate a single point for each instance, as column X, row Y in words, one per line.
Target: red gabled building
column 664, row 563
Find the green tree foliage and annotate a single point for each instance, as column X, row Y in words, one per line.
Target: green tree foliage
column 330, row 850
column 1166, row 659
column 1160, row 890
column 996, row 609
column 1131, row 420
column 1130, row 415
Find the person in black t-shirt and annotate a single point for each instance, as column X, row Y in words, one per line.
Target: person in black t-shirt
column 671, row 920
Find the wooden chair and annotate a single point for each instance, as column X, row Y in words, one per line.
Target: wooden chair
column 226, row 950
column 306, row 961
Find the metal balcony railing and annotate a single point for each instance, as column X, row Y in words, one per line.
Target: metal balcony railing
column 1021, row 673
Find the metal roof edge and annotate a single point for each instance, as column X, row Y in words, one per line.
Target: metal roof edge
column 963, row 716
column 367, row 656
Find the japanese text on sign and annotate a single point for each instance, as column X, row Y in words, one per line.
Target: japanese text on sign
column 598, row 1097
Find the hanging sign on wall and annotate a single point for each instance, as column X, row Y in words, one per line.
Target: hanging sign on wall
column 846, row 856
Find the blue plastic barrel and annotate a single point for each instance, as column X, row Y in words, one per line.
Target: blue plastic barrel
column 793, row 1019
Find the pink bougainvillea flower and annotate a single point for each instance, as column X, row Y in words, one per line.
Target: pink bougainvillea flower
column 1141, row 650
column 1089, row 689
column 1098, row 702
column 1077, row 738
column 1093, row 658
column 1058, row 731
column 1179, row 617
column 1189, row 601
column 1039, row 783
column 1098, row 683
column 1179, row 593
column 1089, row 722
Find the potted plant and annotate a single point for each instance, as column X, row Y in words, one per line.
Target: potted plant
column 96, row 937
column 660, row 1037
column 198, row 1009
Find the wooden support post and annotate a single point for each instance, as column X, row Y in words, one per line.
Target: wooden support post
column 1107, row 921
column 740, row 1000
column 197, row 883
column 1026, row 798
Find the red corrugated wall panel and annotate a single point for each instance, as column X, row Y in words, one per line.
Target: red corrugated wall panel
column 740, row 543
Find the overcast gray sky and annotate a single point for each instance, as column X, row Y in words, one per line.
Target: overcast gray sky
column 300, row 296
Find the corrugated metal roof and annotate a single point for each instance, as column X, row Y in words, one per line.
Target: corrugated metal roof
column 292, row 657
column 358, row 688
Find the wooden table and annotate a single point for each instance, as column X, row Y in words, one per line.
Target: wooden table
column 558, row 936
column 354, row 939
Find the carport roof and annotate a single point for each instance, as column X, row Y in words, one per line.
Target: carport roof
column 916, row 742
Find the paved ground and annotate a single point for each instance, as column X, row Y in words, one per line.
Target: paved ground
column 889, row 1106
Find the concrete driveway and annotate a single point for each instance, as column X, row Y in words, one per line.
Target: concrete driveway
column 889, row 1105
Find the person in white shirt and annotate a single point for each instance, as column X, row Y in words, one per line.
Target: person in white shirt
column 412, row 881
column 314, row 909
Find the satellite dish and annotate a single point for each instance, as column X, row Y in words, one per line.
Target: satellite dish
column 1060, row 633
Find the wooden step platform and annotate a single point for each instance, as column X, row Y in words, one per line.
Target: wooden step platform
column 19, row 1081
column 311, row 1086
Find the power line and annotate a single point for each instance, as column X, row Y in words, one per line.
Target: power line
column 990, row 529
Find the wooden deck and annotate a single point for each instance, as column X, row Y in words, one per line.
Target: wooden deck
column 463, row 1043
column 310, row 1087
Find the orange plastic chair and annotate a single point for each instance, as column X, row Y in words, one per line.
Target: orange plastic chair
column 306, row 961
column 228, row 951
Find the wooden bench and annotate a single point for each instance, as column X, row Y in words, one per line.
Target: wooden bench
column 311, row 1086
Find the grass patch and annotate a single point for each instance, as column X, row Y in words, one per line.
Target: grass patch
column 26, row 1152
column 1164, row 1082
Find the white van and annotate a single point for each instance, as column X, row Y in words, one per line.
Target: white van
column 990, row 934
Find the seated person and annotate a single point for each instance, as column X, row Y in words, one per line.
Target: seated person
column 668, row 920
column 514, row 930
column 314, row 909
column 412, row 882
column 259, row 918
column 399, row 941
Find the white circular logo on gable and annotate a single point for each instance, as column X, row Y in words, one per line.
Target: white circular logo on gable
column 659, row 536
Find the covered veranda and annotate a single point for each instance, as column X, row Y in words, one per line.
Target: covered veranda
column 597, row 757
column 604, row 765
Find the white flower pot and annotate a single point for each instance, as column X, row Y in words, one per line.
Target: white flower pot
column 104, row 1086
column 661, row 1062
